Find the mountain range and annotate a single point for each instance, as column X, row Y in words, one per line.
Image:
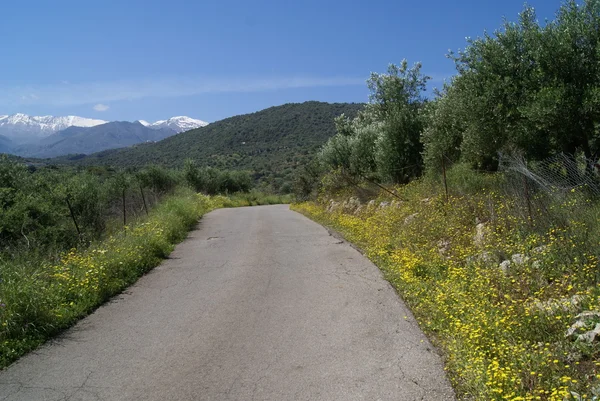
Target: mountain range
column 271, row 143
column 20, row 128
column 49, row 136
column 177, row 124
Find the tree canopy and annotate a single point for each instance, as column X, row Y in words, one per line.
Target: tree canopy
column 383, row 141
column 528, row 86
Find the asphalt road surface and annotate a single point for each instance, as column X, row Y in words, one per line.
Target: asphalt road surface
column 258, row 303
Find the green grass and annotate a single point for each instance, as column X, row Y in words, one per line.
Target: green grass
column 39, row 298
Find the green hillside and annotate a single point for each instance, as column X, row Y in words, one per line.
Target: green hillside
column 271, row 143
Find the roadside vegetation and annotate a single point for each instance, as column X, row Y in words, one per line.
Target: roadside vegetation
column 71, row 239
column 255, row 198
column 481, row 205
column 512, row 306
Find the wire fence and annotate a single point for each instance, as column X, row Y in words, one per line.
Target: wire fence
column 559, row 174
column 536, row 186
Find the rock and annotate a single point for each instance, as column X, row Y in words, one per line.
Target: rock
column 443, row 245
column 587, row 314
column 396, row 204
column 519, row 259
column 358, row 210
column 333, row 206
column 582, row 328
column 540, row 249
column 590, row 336
column 580, row 324
column 371, row 204
column 488, row 257
column 552, row 306
column 383, row 205
column 481, row 232
column 352, row 204
column 505, row 266
column 410, row 219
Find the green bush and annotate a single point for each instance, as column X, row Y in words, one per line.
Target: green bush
column 211, row 181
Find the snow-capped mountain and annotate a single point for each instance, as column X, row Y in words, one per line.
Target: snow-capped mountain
column 49, row 136
column 86, row 140
column 21, row 128
column 177, row 124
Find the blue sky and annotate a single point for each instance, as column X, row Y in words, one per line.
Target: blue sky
column 129, row 60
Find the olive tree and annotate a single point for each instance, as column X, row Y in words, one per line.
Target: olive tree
column 383, row 141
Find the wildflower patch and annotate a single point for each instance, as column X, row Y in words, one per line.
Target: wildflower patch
column 39, row 300
column 499, row 298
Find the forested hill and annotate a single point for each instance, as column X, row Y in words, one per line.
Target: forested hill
column 271, row 142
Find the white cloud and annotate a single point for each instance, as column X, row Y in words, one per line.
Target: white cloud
column 101, row 107
column 30, row 97
column 100, row 93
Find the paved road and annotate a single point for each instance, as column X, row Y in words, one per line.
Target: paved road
column 257, row 304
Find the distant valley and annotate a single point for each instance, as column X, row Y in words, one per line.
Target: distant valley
column 48, row 136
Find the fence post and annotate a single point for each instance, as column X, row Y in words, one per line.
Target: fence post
column 144, row 199
column 73, row 217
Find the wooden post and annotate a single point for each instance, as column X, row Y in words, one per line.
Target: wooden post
column 73, row 216
column 144, row 199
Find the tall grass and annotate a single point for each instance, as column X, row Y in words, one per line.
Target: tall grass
column 39, row 298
